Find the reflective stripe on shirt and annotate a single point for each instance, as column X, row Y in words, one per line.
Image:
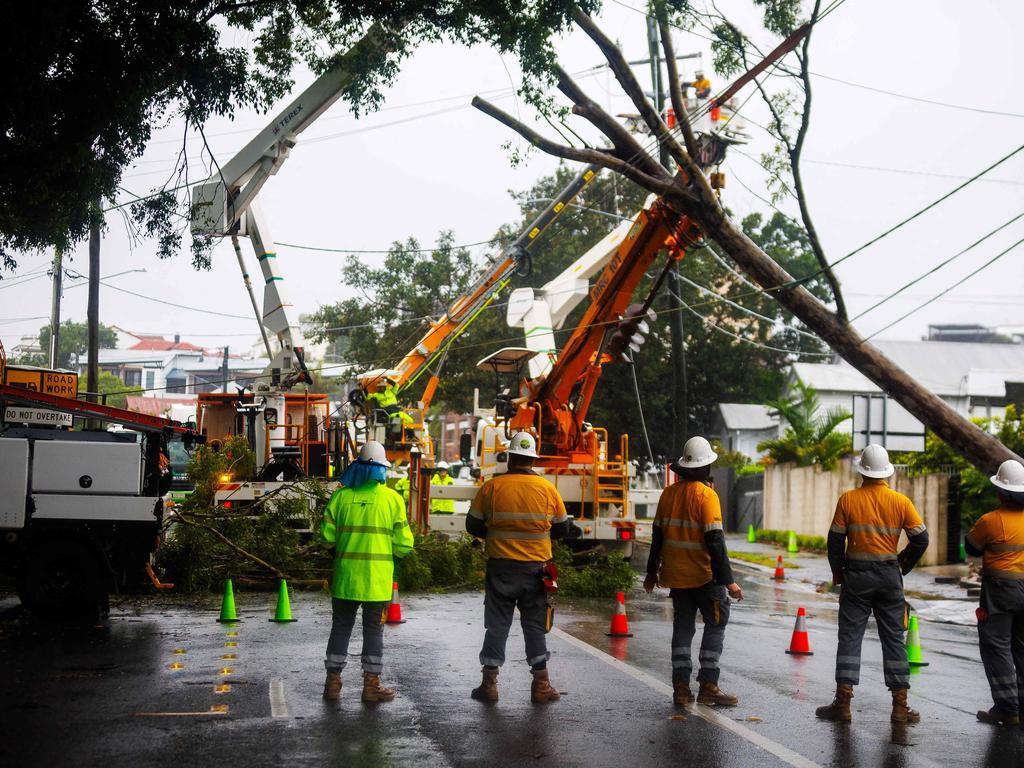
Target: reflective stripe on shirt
column 859, row 528
column 363, row 556
column 366, row 529
column 501, row 533
column 873, row 557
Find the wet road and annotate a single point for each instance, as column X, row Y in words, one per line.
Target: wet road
column 165, row 684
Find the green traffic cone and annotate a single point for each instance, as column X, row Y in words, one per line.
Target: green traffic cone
column 228, row 614
column 284, row 608
column 914, row 657
column 963, row 552
column 751, row 534
column 792, row 548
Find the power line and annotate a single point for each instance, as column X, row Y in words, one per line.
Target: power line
column 174, row 304
column 430, row 249
column 905, row 171
column 959, row 282
column 939, row 266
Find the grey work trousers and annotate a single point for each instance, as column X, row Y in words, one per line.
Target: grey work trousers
column 343, row 620
column 1001, row 641
column 514, row 584
column 876, row 588
column 712, row 601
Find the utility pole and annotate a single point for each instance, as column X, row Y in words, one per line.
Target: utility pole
column 93, row 312
column 58, row 289
column 677, row 339
column 224, row 369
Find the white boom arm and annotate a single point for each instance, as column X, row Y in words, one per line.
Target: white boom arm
column 226, row 204
column 540, row 312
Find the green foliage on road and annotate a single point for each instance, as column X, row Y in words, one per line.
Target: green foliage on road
column 439, row 563
column 977, row 495
column 592, row 574
column 90, row 99
column 810, row 438
column 806, row 543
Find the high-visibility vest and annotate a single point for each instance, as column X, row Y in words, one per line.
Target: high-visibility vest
column 687, row 510
column 402, row 487
column 385, row 397
column 1000, row 536
column 442, row 506
column 368, row 528
column 518, row 509
column 873, row 517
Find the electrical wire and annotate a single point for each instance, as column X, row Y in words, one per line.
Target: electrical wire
column 939, row 295
column 726, row 300
column 640, row 408
column 939, row 266
column 174, row 304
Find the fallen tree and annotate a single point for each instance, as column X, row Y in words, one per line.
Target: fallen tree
column 689, row 193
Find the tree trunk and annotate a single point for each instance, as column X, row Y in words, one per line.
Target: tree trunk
column 976, row 445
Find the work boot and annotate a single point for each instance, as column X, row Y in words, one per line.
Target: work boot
column 488, row 688
column 373, row 691
column 997, row 716
column 332, row 688
column 839, row 710
column 681, row 694
column 541, row 691
column 713, row 696
column 901, row 712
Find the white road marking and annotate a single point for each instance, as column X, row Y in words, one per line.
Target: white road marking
column 278, row 702
column 783, row 753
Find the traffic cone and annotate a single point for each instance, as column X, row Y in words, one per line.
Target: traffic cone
column 620, row 625
column 751, row 534
column 800, row 645
column 394, row 607
column 963, row 552
column 283, row 614
column 914, row 657
column 780, row 572
column 792, row 548
column 228, row 614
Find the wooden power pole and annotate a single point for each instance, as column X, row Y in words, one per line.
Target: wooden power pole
column 58, row 288
column 93, row 313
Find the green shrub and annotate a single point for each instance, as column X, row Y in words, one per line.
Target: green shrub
column 439, row 563
column 808, row 543
column 592, row 574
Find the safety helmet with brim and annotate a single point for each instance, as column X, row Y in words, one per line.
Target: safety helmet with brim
column 523, row 444
column 1009, row 477
column 697, row 453
column 373, row 453
column 874, row 462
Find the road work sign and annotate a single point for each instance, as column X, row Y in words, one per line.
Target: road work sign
column 60, row 383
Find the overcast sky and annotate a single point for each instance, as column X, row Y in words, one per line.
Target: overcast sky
column 429, row 162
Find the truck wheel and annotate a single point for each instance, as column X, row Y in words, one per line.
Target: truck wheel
column 62, row 581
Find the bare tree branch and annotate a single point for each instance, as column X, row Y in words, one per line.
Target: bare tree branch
column 674, row 90
column 602, row 157
column 248, row 555
column 632, row 87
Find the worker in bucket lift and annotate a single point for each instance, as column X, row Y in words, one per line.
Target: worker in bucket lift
column 441, row 477
column 386, row 400
column 366, row 528
column 701, row 85
column 688, row 555
column 998, row 537
column 862, row 551
column 517, row 514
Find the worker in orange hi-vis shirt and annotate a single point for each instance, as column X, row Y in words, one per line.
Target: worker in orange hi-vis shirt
column 688, row 555
column 999, row 537
column 862, row 551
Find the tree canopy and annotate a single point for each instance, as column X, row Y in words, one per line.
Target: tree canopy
column 88, row 81
column 72, row 343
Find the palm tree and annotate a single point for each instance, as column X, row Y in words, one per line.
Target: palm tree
column 810, row 437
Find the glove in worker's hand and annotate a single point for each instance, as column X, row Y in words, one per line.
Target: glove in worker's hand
column 650, row 583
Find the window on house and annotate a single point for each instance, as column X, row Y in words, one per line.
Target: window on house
column 177, row 386
column 150, row 379
column 132, row 377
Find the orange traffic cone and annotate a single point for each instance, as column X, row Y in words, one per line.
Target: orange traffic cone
column 620, row 625
column 780, row 572
column 800, row 645
column 394, row 607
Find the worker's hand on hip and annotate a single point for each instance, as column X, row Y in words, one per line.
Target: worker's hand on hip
column 650, row 583
column 734, row 591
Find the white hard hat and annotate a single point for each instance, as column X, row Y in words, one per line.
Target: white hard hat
column 697, row 453
column 874, row 462
column 1010, row 476
column 443, row 465
column 523, row 444
column 373, row 453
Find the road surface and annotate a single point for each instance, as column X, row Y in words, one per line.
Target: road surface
column 161, row 683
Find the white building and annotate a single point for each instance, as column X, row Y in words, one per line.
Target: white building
column 741, row 426
column 971, row 377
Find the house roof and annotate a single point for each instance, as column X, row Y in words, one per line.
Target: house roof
column 747, row 416
column 158, row 344
column 947, row 368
